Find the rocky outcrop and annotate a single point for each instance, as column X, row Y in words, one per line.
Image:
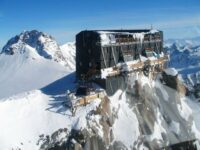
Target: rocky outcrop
column 174, row 82
column 56, row 141
column 153, row 116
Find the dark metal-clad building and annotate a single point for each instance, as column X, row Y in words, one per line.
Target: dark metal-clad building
column 99, row 49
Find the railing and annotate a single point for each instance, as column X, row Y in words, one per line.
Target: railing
column 117, row 70
column 130, row 43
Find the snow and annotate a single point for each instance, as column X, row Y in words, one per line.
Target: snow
column 26, row 112
column 44, row 45
column 158, row 129
column 105, row 72
column 125, row 117
column 81, row 123
column 184, row 56
column 195, row 130
column 106, row 38
column 27, row 69
column 171, row 71
column 139, row 36
column 24, row 117
column 30, row 52
column 153, row 31
column 194, row 105
column 175, row 127
column 163, row 92
column 145, row 81
column 142, row 58
column 38, row 86
column 27, row 115
column 123, row 67
column 109, row 38
column 81, row 115
column 187, row 41
column 20, row 73
column 42, row 39
column 69, row 52
column 94, row 121
column 184, row 110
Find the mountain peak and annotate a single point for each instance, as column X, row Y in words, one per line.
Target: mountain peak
column 43, row 43
column 35, row 43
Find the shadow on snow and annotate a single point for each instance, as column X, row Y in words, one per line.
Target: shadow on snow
column 57, row 91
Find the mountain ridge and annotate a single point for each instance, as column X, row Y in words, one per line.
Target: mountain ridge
column 43, row 44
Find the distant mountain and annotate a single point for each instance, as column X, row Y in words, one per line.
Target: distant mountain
column 32, row 60
column 32, row 43
column 182, row 42
column 185, row 57
column 184, row 54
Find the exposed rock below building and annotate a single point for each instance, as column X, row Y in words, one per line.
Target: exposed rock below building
column 172, row 80
column 197, row 91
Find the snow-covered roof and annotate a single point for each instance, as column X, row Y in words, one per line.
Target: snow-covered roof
column 107, row 37
column 171, row 71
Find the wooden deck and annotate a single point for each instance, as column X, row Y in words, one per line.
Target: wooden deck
column 138, row 66
column 83, row 101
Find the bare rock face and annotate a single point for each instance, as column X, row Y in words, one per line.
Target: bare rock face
column 174, row 82
column 91, row 138
column 197, row 91
column 150, row 115
column 55, row 141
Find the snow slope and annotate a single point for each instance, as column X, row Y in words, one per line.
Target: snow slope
column 26, row 65
column 27, row 116
column 19, row 74
column 152, row 118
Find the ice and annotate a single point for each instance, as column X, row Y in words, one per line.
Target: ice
column 109, row 38
column 139, row 36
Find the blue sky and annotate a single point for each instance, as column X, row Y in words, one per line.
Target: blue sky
column 64, row 18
